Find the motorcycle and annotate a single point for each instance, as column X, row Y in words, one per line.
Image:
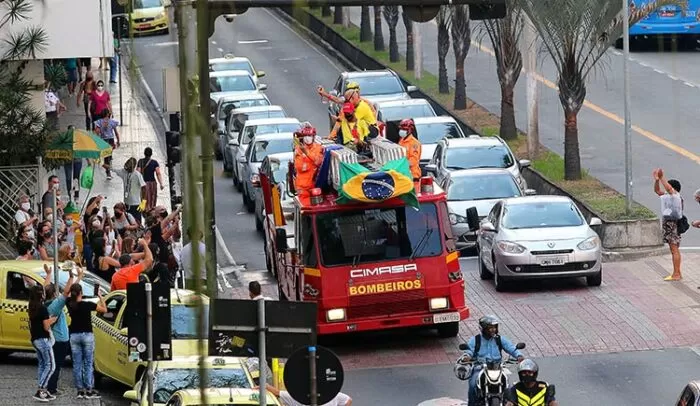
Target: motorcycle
column 493, row 377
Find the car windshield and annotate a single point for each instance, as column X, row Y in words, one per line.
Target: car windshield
column 481, row 187
column 376, row 85
column 265, row 148
column 232, row 65
column 226, row 107
column 372, row 235
column 541, row 215
column 279, row 171
column 395, row 113
column 88, row 283
column 183, row 321
column 236, row 83
column 265, row 114
column 433, row 133
column 168, row 381
column 495, row 156
column 147, row 4
column 276, row 128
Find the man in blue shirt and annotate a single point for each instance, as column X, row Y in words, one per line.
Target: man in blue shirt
column 487, row 347
column 59, row 329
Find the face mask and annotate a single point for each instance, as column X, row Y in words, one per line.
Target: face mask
column 308, row 140
column 26, row 206
column 55, row 186
column 69, row 222
column 403, row 133
column 527, row 378
column 118, row 214
column 47, row 234
column 49, row 217
column 100, row 87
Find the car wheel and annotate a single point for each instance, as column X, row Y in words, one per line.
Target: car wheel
column 218, row 154
column 250, row 205
column 595, row 280
column 498, row 281
column 448, row 330
column 484, row 273
column 258, row 224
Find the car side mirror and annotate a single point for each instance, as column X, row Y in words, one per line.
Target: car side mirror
column 333, row 92
column 473, row 218
column 520, row 346
column 530, row 192
column 262, row 87
column 281, row 240
column 131, row 395
column 124, row 331
column 525, row 163
column 431, row 169
column 233, row 143
column 487, row 226
column 463, row 347
column 411, row 89
column 595, row 221
column 261, row 73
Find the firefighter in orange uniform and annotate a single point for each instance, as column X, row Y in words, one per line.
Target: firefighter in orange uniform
column 308, row 157
column 407, row 132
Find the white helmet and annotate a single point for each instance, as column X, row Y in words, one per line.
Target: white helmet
column 463, row 370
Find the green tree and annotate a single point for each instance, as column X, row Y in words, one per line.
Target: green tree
column 337, row 15
column 23, row 128
column 576, row 34
column 408, row 24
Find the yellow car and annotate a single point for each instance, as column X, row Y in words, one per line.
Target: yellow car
column 147, row 17
column 182, row 373
column 111, row 334
column 220, row 397
column 16, row 279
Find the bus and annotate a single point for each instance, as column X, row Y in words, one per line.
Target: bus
column 667, row 23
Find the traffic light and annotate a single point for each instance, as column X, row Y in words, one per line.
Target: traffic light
column 172, row 144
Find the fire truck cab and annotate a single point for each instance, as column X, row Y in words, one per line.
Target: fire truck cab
column 369, row 266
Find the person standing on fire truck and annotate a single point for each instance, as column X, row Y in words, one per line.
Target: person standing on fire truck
column 308, row 157
column 353, row 132
column 407, row 132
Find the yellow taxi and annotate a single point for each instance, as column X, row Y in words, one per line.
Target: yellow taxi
column 147, row 17
column 220, row 397
column 111, row 334
column 16, row 280
column 182, row 373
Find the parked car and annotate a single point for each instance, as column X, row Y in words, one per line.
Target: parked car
column 690, row 395
column 148, row 17
column 480, row 188
column 536, row 237
column 220, row 396
column 474, row 152
column 228, row 102
column 231, row 81
column 375, row 86
column 230, row 62
column 260, row 147
column 234, row 124
column 248, row 132
column 276, row 168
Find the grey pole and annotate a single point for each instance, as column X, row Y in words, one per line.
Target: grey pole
column 119, row 67
column 262, row 356
column 628, row 120
column 313, row 392
column 54, row 227
column 149, row 339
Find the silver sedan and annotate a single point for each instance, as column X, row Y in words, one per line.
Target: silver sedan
column 537, row 237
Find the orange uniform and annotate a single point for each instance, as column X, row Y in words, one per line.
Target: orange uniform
column 413, row 151
column 307, row 160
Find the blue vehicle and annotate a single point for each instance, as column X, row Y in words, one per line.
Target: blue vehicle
column 668, row 22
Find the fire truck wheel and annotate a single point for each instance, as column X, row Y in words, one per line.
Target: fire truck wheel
column 281, row 294
column 258, row 224
column 448, row 330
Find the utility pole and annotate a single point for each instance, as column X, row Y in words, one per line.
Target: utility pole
column 628, row 119
column 417, row 50
column 529, row 45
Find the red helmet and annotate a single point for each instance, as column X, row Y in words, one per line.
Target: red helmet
column 348, row 108
column 408, row 125
column 308, row 131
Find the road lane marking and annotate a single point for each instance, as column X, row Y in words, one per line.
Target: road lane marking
column 220, row 50
column 688, row 84
column 253, row 41
column 163, row 44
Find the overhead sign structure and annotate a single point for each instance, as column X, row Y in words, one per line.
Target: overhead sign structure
column 137, row 323
column 327, row 370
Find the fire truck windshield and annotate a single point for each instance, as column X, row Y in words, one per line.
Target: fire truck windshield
column 361, row 236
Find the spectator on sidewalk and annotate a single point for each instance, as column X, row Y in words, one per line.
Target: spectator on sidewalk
column 672, row 212
column 87, row 87
column 55, row 304
column 124, row 222
column 104, row 265
column 99, row 101
column 72, row 173
column 134, row 188
column 47, row 200
column 106, row 127
column 255, row 291
column 87, row 64
column 150, row 169
column 82, row 339
column 53, row 106
column 114, row 62
column 186, row 260
column 45, row 243
column 40, row 332
column 25, row 218
column 71, row 65
column 130, row 270
column 25, row 250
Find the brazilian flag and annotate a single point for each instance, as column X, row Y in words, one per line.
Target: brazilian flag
column 392, row 180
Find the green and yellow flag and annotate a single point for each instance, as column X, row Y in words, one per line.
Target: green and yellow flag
column 392, row 180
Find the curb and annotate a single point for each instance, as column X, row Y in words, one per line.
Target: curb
column 633, row 255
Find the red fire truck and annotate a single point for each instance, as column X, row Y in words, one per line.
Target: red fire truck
column 369, row 266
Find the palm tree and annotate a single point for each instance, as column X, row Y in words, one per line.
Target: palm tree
column 378, row 37
column 23, row 128
column 576, row 34
column 337, row 15
column 504, row 34
column 391, row 15
column 444, row 21
column 408, row 23
column 365, row 25
column 461, row 42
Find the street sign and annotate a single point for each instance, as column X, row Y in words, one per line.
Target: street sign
column 329, row 375
column 136, row 322
column 234, row 328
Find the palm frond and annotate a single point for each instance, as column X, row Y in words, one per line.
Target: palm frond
column 26, row 43
column 15, row 11
column 460, row 30
column 391, row 15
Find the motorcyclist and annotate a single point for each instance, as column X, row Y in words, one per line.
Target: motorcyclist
column 487, row 347
column 529, row 391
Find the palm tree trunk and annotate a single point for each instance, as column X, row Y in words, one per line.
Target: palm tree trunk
column 508, row 128
column 410, row 57
column 337, row 15
column 365, row 25
column 393, row 46
column 326, row 11
column 378, row 36
column 460, row 102
column 572, row 159
column 443, row 85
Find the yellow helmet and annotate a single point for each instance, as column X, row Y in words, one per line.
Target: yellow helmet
column 352, row 86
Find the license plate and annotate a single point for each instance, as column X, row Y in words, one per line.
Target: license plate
column 549, row 261
column 445, row 318
column 144, row 25
column 667, row 13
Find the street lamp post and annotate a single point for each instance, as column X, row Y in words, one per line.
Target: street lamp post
column 628, row 122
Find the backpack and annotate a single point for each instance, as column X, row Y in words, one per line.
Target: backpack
column 477, row 344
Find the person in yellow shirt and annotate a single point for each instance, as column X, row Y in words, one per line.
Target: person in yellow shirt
column 364, row 110
column 353, row 131
column 407, row 132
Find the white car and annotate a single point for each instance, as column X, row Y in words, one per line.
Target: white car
column 397, row 110
column 276, row 168
column 230, row 62
column 231, row 81
column 234, row 124
column 231, row 101
column 431, row 130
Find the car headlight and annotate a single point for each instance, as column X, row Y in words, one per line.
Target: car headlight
column 589, row 243
column 160, row 15
column 456, row 218
column 335, row 315
column 438, row 303
column 510, row 247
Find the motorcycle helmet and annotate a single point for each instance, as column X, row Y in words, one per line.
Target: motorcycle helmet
column 408, row 125
column 488, row 321
column 528, row 365
column 463, row 370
